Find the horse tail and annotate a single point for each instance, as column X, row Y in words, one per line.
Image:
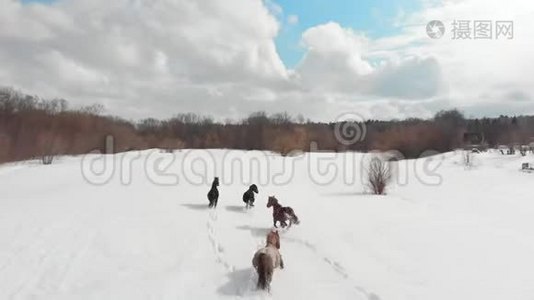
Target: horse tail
column 265, row 271
column 294, row 217
column 296, row 220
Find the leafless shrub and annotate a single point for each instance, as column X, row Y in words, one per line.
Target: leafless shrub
column 467, row 159
column 47, row 159
column 378, row 175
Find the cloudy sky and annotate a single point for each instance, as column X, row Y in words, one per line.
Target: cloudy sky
column 228, row 58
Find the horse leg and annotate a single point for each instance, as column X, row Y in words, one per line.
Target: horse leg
column 265, row 272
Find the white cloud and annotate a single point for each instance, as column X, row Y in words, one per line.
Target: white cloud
column 160, row 57
column 477, row 73
column 273, row 7
column 292, row 19
column 335, row 63
column 135, row 53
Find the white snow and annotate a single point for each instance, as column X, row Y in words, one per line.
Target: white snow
column 471, row 236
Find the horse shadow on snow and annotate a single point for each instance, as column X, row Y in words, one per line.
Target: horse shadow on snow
column 240, row 283
column 195, row 206
column 236, row 208
column 255, row 231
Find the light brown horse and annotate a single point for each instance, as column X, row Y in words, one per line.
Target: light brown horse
column 267, row 259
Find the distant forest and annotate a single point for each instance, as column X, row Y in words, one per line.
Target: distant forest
column 31, row 127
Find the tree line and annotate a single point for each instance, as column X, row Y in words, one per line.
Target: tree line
column 31, row 127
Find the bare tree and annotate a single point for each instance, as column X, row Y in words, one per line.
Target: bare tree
column 93, row 109
column 281, row 119
column 378, row 175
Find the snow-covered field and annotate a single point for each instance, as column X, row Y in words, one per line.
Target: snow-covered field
column 453, row 234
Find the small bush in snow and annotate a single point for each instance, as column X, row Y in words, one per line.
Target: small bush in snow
column 378, row 175
column 47, row 159
column 468, row 159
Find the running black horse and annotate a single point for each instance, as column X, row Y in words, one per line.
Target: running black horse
column 282, row 214
column 213, row 194
column 248, row 196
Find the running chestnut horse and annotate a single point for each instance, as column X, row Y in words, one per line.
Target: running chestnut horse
column 282, row 214
column 267, row 259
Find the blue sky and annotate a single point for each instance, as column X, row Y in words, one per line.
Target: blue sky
column 373, row 17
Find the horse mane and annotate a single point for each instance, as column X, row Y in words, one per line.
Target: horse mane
column 273, row 238
column 272, row 201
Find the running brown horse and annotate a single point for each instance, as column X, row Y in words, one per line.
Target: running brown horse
column 282, row 214
column 267, row 259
